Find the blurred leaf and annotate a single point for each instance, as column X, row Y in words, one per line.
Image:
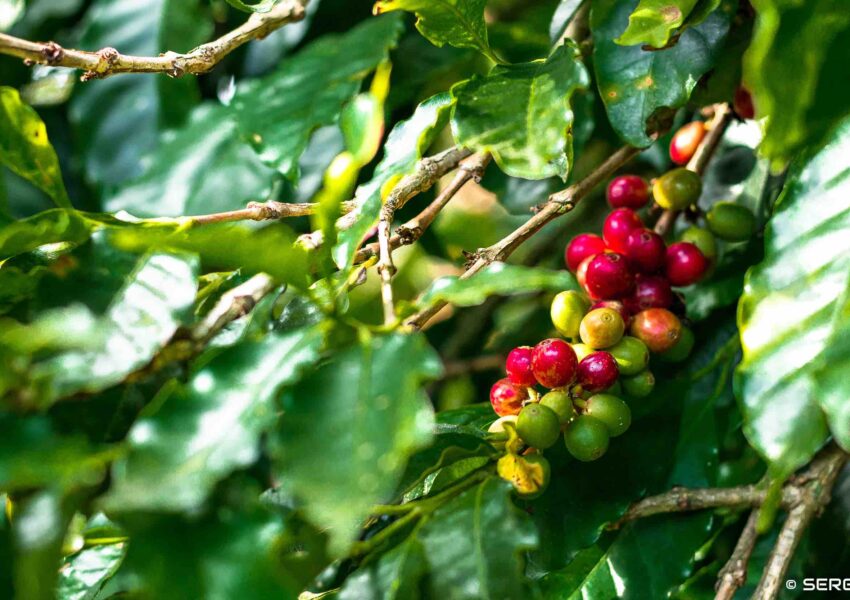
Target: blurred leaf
column 260, row 6
column 394, row 576
column 561, row 19
column 521, row 114
column 10, row 12
column 786, row 313
column 109, row 113
column 654, row 21
column 196, row 435
column 82, row 575
column 48, row 227
column 459, row 23
column 496, row 279
column 279, row 112
column 634, row 83
column 25, row 149
column 349, row 427
column 405, row 145
column 792, row 67
column 203, row 167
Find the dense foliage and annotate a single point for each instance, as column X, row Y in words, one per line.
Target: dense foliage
column 216, row 383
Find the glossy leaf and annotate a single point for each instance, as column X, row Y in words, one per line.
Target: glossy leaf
column 279, row 112
column 786, row 314
column 521, row 114
column 394, row 576
column 25, row 149
column 561, row 19
column 48, row 227
column 405, row 145
column 212, row 426
column 633, row 83
column 791, row 69
column 82, row 576
column 373, row 416
column 259, row 7
column 654, row 21
column 497, row 279
column 110, row 113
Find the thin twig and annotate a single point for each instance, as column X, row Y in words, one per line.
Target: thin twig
column 108, row 61
column 699, row 161
column 558, row 204
column 733, row 575
column 264, row 211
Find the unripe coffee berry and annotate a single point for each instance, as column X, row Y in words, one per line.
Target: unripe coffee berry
column 619, row 223
column 609, row 277
column 702, row 239
column 613, row 305
column 602, row 328
column 611, row 411
column 567, row 311
column 631, row 354
column 731, row 222
column 554, row 363
column 743, row 103
column 645, row 251
column 628, row 191
column 682, row 349
column 640, row 385
column 685, row 264
column 586, row 438
column 652, row 292
column 581, row 247
column 597, row 372
column 677, row 189
column 581, row 350
column 507, row 397
column 518, row 366
column 560, row 402
column 685, row 142
column 658, row 328
column 538, row 426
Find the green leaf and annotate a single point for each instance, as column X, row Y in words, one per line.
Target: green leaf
column 521, row 114
column 202, row 432
column 633, row 83
column 561, row 19
column 279, row 112
column 459, row 23
column 25, row 149
column 349, row 427
column 261, row 6
column 496, row 279
column 203, row 167
column 791, row 307
column 48, row 227
column 394, row 576
column 654, row 21
column 110, row 113
column 83, row 574
column 791, row 68
column 405, row 145
column 10, row 12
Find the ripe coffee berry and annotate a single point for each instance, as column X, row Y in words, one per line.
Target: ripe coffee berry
column 518, row 366
column 581, row 247
column 686, row 141
column 597, row 371
column 619, row 223
column 628, row 191
column 586, row 438
column 601, row 328
column 608, row 276
column 554, row 363
column 652, row 292
column 567, row 310
column 677, row 189
column 581, row 272
column 507, row 397
column 645, row 250
column 560, row 402
column 685, row 264
column 743, row 103
column 658, row 328
column 611, row 412
column 538, row 426
column 731, row 222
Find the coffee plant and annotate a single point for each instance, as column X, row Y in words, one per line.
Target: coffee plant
column 405, row 299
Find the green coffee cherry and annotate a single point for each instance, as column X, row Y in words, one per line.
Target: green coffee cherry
column 616, row 389
column 631, row 354
column 586, row 438
column 702, row 239
column 677, row 189
column 581, row 350
column 731, row 222
column 611, row 411
column 538, row 426
column 640, row 385
column 561, row 403
column 568, row 309
column 682, row 349
column 602, row 328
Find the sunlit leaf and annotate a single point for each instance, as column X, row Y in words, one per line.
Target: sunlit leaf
column 654, row 21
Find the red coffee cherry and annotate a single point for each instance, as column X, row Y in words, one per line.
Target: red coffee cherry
column 518, row 366
column 581, row 247
column 609, row 277
column 686, row 141
column 619, row 223
column 685, row 264
column 645, row 250
column 554, row 363
column 658, row 328
column 652, row 292
column 743, row 103
column 581, row 272
column 628, row 191
column 598, row 371
column 507, row 397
